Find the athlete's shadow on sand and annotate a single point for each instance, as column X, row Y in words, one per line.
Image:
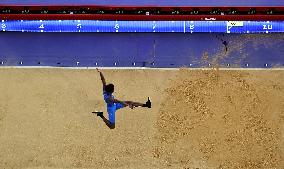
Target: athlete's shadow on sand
column 107, row 122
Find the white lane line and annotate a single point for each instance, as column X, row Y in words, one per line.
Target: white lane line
column 133, row 68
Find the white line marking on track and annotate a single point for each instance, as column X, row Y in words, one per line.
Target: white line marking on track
column 133, row 68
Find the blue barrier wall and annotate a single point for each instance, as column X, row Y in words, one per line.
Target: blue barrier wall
column 152, row 2
column 143, row 49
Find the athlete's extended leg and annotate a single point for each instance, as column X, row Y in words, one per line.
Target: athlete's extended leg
column 137, row 104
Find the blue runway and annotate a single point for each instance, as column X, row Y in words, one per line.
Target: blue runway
column 142, row 26
column 161, row 50
column 148, row 2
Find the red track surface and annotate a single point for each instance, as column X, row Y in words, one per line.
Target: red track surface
column 259, row 15
column 141, row 17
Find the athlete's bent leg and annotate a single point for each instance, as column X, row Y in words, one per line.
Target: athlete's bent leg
column 108, row 123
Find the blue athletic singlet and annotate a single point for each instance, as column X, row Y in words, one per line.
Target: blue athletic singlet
column 111, row 107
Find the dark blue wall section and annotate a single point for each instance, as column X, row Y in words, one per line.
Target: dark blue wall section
column 143, row 49
column 152, row 2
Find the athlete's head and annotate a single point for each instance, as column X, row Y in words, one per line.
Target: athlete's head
column 109, row 88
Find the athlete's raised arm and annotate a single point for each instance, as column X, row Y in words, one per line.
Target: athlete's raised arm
column 102, row 78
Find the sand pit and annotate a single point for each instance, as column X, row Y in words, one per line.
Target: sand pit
column 200, row 119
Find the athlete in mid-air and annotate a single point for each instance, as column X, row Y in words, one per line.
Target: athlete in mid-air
column 114, row 104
